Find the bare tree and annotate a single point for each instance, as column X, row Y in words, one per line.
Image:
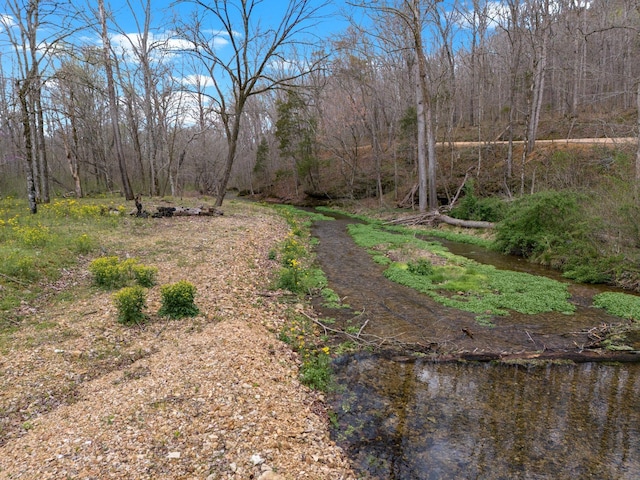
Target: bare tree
column 23, row 26
column 413, row 15
column 113, row 101
column 246, row 71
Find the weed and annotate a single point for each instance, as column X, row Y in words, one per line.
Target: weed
column 421, row 267
column 83, row 244
column 316, row 371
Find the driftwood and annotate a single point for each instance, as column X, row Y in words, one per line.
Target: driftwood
column 434, row 218
column 577, row 356
column 186, row 211
column 176, row 211
column 408, row 200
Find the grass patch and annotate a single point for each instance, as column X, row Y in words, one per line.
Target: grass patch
column 460, row 282
column 619, row 304
column 35, row 248
column 300, row 275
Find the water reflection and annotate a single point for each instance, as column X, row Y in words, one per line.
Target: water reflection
column 419, row 420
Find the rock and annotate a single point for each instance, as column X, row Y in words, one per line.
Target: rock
column 257, row 459
column 270, row 475
column 173, row 455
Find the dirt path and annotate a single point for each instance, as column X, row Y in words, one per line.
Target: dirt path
column 562, row 141
column 214, row 397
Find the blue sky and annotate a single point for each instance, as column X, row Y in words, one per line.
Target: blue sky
column 269, row 12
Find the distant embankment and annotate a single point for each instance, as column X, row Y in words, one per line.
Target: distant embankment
column 565, row 141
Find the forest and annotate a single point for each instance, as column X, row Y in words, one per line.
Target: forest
column 415, row 104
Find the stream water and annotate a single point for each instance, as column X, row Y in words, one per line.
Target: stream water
column 404, row 418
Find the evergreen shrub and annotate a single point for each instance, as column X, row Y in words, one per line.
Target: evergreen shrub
column 178, row 300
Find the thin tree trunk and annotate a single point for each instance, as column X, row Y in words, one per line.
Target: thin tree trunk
column 232, row 142
column 28, row 146
column 422, row 141
column 637, row 182
column 43, row 164
column 113, row 105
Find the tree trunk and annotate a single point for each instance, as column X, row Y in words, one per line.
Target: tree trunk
column 422, row 140
column 113, row 104
column 232, row 142
column 28, row 146
column 637, row 179
column 43, row 164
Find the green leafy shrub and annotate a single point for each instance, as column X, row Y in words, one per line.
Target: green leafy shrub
column 542, row 222
column 83, row 244
column 130, row 301
column 421, row 266
column 471, row 207
column 106, row 272
column 292, row 249
column 178, row 300
column 589, row 272
column 142, row 274
column 36, row 236
column 290, row 277
column 110, row 272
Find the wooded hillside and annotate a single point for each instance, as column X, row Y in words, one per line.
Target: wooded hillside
column 371, row 112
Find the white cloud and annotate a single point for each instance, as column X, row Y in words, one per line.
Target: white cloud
column 197, row 80
column 7, row 21
column 162, row 46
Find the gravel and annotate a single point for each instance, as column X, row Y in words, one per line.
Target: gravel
column 213, row 397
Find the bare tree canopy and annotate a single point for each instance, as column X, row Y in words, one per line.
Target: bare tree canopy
column 189, row 98
column 253, row 64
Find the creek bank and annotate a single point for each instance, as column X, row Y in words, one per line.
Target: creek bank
column 390, row 315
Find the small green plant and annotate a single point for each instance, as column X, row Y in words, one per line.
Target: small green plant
column 422, row 266
column 316, row 371
column 130, row 301
column 83, row 244
column 178, row 300
column 106, row 272
column 109, row 272
column 291, row 277
column 36, row 236
column 144, row 275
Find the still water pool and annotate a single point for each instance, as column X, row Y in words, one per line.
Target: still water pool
column 403, row 418
column 416, row 419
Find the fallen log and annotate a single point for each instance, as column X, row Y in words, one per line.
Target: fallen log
column 464, row 223
column 186, row 211
column 434, row 218
column 572, row 356
column 174, row 211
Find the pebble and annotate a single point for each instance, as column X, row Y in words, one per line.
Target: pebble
column 270, row 475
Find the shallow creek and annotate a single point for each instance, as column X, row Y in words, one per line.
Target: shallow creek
column 404, row 418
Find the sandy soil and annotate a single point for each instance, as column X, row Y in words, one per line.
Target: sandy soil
column 213, row 397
